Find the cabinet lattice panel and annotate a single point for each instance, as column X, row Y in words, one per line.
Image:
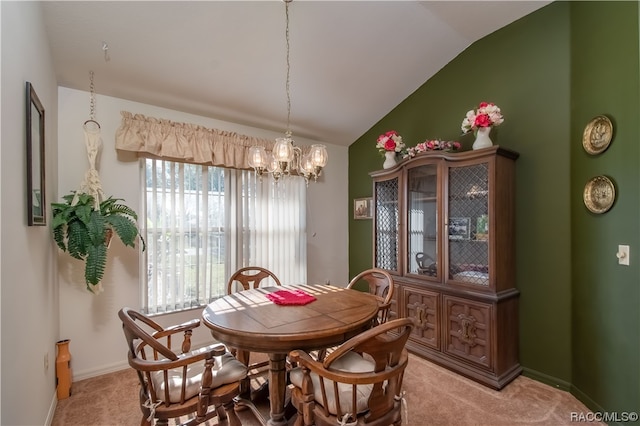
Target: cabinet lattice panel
column 387, row 225
column 468, row 224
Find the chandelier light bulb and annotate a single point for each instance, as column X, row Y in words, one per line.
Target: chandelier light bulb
column 283, row 150
column 318, row 154
column 257, row 157
column 306, row 165
column 273, row 165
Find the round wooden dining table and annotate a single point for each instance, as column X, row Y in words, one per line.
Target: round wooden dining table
column 250, row 321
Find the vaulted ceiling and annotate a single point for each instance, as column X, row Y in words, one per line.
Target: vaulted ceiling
column 351, row 62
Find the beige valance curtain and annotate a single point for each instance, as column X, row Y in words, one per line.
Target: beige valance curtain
column 161, row 138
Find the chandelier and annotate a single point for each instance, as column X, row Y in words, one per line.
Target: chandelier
column 286, row 158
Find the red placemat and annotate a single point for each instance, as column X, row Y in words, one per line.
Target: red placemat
column 290, row 297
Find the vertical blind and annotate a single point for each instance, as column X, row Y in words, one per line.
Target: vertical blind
column 203, row 222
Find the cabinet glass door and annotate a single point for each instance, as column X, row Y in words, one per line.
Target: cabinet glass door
column 422, row 219
column 468, row 227
column 386, row 226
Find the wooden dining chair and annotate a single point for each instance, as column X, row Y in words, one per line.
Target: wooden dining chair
column 251, row 277
column 176, row 381
column 424, row 266
column 360, row 383
column 379, row 283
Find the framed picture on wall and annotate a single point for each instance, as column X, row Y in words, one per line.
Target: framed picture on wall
column 459, row 228
column 35, row 160
column 363, row 208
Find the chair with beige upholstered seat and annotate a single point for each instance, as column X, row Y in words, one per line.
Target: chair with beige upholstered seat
column 359, row 383
column 176, row 381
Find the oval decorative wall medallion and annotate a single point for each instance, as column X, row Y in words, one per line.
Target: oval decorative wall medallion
column 597, row 135
column 599, row 194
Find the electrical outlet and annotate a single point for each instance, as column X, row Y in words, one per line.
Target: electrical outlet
column 46, row 362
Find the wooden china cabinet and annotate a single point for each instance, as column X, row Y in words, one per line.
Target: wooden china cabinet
column 444, row 227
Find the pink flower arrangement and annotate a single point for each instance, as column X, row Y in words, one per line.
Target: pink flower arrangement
column 390, row 141
column 432, row 145
column 488, row 114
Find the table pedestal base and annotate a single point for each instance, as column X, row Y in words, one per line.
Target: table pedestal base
column 277, row 389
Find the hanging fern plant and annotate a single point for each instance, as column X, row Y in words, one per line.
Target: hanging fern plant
column 84, row 230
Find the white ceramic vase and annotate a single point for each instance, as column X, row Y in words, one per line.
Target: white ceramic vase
column 482, row 138
column 389, row 159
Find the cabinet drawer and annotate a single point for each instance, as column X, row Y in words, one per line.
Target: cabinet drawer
column 467, row 330
column 424, row 307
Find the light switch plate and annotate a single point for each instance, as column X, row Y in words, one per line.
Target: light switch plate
column 623, row 255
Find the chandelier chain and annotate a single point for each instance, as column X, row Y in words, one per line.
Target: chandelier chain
column 285, row 158
column 286, row 8
column 92, row 99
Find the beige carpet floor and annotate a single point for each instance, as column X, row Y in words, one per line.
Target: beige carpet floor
column 434, row 396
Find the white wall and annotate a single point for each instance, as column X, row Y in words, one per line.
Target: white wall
column 90, row 321
column 28, row 278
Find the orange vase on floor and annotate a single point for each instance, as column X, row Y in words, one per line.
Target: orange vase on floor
column 63, row 369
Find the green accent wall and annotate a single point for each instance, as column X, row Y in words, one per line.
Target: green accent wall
column 550, row 73
column 605, row 296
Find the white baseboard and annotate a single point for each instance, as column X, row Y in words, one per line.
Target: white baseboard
column 52, row 409
column 111, row 368
column 105, row 369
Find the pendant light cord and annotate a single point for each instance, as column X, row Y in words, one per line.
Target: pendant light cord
column 286, row 34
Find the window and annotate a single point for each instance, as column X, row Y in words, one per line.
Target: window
column 204, row 222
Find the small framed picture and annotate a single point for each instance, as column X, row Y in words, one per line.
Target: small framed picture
column 363, row 208
column 459, row 228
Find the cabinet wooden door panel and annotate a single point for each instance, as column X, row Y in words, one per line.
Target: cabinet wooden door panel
column 467, row 330
column 424, row 307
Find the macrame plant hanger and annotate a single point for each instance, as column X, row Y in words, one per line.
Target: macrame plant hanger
column 91, row 183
